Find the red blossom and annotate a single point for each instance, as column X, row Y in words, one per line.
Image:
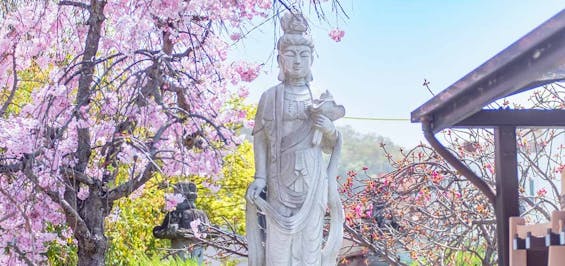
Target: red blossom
column 541, row 192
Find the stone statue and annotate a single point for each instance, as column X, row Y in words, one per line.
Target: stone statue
column 178, row 222
column 293, row 187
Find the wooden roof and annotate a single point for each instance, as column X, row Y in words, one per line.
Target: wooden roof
column 536, row 59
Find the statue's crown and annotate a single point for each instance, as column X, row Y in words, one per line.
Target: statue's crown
column 294, row 23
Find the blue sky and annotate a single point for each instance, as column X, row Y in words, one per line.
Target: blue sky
column 391, row 46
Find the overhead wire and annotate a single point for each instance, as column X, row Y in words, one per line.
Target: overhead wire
column 375, row 118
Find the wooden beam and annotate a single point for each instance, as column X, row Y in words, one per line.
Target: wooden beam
column 515, row 118
column 506, row 205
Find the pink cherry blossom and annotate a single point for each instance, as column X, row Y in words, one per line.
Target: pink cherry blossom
column 243, row 92
column 235, row 37
column 83, row 193
column 436, row 176
column 490, row 168
column 336, row 34
column 172, row 200
column 195, row 227
column 358, row 210
column 369, row 211
column 246, row 71
column 137, row 193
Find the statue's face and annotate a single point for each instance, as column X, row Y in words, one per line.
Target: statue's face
column 295, row 61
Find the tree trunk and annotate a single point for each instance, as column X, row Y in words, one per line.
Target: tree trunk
column 92, row 247
column 92, row 256
column 92, row 243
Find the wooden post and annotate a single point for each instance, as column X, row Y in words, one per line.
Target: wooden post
column 562, row 195
column 506, row 187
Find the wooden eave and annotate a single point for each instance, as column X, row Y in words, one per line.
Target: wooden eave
column 536, row 59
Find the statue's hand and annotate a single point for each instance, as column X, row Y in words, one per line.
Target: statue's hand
column 324, row 124
column 255, row 189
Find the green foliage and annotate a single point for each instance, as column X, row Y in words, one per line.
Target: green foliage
column 61, row 253
column 28, row 80
column 467, row 258
column 228, row 203
column 129, row 227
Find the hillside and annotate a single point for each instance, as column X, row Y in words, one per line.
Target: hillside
column 364, row 150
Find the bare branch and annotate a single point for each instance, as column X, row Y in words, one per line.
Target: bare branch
column 10, row 168
column 75, row 4
column 131, row 185
column 76, row 175
column 220, row 239
column 208, row 121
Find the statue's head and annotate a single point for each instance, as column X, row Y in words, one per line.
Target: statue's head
column 295, row 47
column 187, row 189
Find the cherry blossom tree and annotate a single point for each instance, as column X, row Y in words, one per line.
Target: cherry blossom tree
column 426, row 210
column 137, row 88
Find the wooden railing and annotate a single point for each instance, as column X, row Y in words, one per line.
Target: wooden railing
column 539, row 244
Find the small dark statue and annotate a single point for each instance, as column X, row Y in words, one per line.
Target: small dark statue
column 177, row 225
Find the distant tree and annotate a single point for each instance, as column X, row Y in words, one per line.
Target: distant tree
column 364, row 150
column 427, row 210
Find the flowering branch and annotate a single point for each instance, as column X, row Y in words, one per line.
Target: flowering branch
column 14, row 84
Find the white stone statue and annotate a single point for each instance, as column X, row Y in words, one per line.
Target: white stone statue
column 291, row 131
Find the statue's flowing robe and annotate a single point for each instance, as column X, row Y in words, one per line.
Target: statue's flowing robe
column 298, row 193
